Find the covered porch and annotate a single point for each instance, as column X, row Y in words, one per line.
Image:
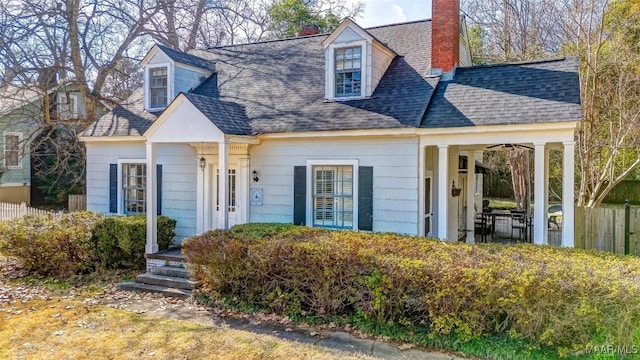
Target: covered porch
column 221, row 201
column 446, row 209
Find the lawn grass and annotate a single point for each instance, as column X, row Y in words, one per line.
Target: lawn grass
column 65, row 328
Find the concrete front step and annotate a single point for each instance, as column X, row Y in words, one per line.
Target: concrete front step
column 166, row 291
column 174, row 271
column 167, row 281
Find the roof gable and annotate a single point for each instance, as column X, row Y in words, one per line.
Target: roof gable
column 179, row 57
column 183, row 122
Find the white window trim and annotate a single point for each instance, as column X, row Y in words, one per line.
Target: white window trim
column 330, row 75
column 147, row 93
column 4, row 149
column 337, row 162
column 64, row 102
column 120, row 196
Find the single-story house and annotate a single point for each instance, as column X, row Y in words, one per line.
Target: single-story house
column 358, row 129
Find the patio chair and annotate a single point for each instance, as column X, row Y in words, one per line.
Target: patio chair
column 552, row 216
column 519, row 223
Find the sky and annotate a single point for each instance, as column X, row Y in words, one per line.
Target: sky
column 381, row 12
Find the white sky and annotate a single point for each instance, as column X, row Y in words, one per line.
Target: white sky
column 382, row 12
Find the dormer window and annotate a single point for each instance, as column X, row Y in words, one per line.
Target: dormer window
column 348, row 66
column 158, row 87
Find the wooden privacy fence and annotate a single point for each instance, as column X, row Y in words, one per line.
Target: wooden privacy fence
column 77, row 202
column 13, row 211
column 604, row 229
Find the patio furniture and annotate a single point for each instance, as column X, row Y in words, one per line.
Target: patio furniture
column 520, row 223
column 552, row 216
column 483, row 226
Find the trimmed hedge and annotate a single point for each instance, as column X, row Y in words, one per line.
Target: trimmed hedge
column 80, row 242
column 120, row 240
column 562, row 298
column 48, row 246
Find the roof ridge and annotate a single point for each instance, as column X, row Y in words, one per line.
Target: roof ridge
column 312, row 36
column 524, row 62
column 397, row 24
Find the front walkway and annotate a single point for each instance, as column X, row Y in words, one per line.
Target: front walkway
column 332, row 338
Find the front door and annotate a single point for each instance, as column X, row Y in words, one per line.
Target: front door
column 232, row 204
column 428, row 205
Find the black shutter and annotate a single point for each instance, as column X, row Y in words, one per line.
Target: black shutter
column 299, row 195
column 113, row 188
column 365, row 198
column 159, row 189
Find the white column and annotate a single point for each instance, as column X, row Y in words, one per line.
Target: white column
column 539, row 210
column 546, row 196
column 223, row 179
column 471, row 196
column 207, row 197
column 242, row 199
column 454, row 203
column 152, row 198
column 568, row 197
column 421, row 190
column 200, row 199
column 443, row 190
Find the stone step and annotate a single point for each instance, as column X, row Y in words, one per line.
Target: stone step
column 166, row 291
column 173, row 271
column 168, row 281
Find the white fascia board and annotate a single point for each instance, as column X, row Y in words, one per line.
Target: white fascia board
column 347, row 22
column 398, row 132
column 152, row 52
column 126, row 138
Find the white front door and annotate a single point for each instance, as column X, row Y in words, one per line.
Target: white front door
column 232, row 204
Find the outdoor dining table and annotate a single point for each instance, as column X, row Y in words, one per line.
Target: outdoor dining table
column 500, row 213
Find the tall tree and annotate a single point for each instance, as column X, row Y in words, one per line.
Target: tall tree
column 286, row 16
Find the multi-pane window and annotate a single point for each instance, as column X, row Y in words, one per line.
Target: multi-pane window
column 12, row 150
column 231, row 188
column 348, row 64
column 333, row 196
column 134, row 183
column 158, row 88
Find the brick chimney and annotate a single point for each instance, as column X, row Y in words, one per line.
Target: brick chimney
column 308, row 29
column 445, row 35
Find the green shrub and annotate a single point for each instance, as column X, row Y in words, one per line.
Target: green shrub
column 120, row 240
column 561, row 298
column 48, row 246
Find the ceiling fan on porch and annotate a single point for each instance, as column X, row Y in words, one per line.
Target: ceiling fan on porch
column 510, row 146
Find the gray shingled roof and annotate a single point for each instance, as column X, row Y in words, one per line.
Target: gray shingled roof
column 280, row 86
column 187, row 59
column 229, row 117
column 535, row 92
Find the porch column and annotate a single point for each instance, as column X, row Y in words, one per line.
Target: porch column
column 539, row 210
column 223, row 179
column 568, row 197
column 546, row 196
column 151, row 199
column 242, row 198
column 200, row 196
column 443, row 190
column 471, row 196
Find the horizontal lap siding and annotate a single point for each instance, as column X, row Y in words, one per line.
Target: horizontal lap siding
column 178, row 179
column 395, row 185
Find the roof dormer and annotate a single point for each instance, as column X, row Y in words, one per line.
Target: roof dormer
column 168, row 72
column 355, row 61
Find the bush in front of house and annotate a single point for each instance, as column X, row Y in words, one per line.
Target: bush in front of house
column 80, row 242
column 120, row 240
column 51, row 246
column 560, row 298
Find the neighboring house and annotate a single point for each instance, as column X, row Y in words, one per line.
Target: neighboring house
column 21, row 118
column 359, row 129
